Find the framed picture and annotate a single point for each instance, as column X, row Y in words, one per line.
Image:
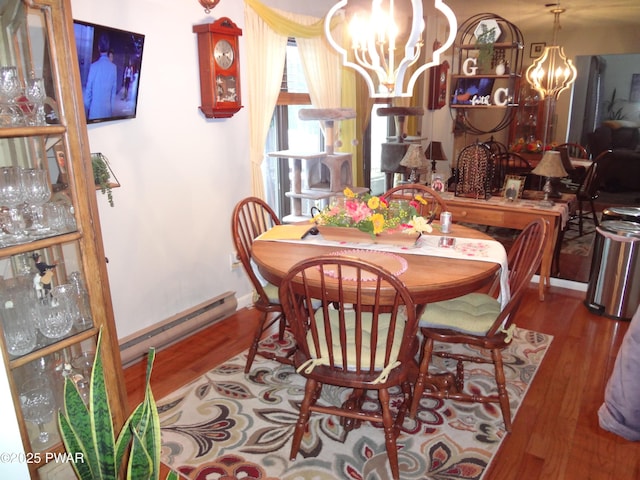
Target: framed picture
column 537, row 49
column 437, row 183
column 513, row 187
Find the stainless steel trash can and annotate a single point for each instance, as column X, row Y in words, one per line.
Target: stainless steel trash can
column 629, row 214
column 614, row 279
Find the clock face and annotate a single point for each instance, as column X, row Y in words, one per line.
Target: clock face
column 223, row 54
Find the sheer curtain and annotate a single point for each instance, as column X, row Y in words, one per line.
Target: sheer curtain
column 267, row 31
column 266, row 51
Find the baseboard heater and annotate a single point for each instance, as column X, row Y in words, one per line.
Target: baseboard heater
column 134, row 347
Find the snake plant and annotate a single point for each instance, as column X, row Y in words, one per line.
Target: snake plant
column 88, row 430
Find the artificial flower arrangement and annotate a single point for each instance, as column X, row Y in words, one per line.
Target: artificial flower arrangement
column 533, row 145
column 372, row 214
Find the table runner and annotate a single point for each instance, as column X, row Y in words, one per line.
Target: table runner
column 464, row 249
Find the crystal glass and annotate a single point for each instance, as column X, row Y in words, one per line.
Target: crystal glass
column 12, row 195
column 17, row 324
column 36, row 94
column 38, row 404
column 9, row 89
column 57, row 312
column 37, row 193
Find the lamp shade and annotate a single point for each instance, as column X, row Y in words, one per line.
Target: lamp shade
column 435, row 152
column 414, row 158
column 550, row 166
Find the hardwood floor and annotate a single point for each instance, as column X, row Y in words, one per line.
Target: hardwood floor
column 555, row 433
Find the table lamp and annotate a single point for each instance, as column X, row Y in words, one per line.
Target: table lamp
column 434, row 152
column 550, row 167
column 413, row 159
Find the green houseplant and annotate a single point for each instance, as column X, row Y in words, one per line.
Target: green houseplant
column 485, row 42
column 88, row 430
column 102, row 175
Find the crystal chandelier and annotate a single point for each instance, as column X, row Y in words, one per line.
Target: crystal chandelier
column 552, row 73
column 374, row 41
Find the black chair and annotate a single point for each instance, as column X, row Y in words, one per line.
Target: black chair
column 589, row 190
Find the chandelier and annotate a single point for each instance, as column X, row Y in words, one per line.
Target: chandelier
column 551, row 73
column 380, row 51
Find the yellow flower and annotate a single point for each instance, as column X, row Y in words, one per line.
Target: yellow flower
column 377, row 220
column 349, row 193
column 373, row 203
column 420, row 225
column 421, row 199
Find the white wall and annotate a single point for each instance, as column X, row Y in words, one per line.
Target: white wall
column 168, row 237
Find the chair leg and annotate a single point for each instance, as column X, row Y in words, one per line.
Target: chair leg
column 418, row 389
column 310, row 397
column 593, row 213
column 502, row 388
column 390, row 433
column 256, row 342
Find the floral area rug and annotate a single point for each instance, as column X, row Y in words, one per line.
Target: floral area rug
column 228, row 425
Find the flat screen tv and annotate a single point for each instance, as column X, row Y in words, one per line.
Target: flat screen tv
column 110, row 62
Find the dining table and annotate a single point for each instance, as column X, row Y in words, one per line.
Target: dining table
column 471, row 260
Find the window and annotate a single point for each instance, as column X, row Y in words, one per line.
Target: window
column 288, row 132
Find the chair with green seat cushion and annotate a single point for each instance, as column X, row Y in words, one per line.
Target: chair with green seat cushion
column 252, row 217
column 362, row 337
column 476, row 319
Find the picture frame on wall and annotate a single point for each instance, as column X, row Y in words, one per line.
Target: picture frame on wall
column 513, row 187
column 537, row 49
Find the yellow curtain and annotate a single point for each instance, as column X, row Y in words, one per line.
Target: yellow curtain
column 284, row 26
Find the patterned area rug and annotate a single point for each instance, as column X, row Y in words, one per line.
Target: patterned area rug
column 227, row 425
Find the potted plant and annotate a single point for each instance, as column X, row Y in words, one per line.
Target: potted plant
column 88, row 430
column 102, row 175
column 485, row 42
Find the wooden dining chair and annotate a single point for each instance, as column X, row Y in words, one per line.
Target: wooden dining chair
column 575, row 150
column 589, row 190
column 361, row 338
column 476, row 319
column 252, row 217
column 434, row 205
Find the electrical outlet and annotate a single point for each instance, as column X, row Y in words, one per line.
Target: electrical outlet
column 234, row 261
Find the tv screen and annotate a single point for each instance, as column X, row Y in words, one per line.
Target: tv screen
column 110, row 61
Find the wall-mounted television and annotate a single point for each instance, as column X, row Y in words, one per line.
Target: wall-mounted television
column 110, row 62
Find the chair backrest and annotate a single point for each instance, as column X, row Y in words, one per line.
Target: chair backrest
column 593, row 178
column 500, row 154
column 574, row 150
column 365, row 325
column 251, row 218
column 475, row 171
column 524, row 259
column 435, row 204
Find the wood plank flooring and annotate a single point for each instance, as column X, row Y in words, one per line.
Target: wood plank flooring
column 555, row 434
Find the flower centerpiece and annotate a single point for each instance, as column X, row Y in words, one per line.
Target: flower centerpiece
column 383, row 221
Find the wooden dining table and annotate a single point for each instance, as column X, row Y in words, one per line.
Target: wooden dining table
column 428, row 278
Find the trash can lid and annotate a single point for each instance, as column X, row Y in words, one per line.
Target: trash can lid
column 625, row 213
column 621, row 228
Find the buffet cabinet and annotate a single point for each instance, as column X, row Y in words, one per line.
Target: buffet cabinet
column 54, row 294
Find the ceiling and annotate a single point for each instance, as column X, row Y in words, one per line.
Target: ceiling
column 530, row 15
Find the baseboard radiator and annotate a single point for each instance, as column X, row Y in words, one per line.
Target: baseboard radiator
column 160, row 335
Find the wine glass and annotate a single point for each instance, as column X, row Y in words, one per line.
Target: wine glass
column 12, row 194
column 9, row 90
column 37, row 193
column 37, row 401
column 36, row 93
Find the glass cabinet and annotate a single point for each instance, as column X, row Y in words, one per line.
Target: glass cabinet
column 54, row 294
